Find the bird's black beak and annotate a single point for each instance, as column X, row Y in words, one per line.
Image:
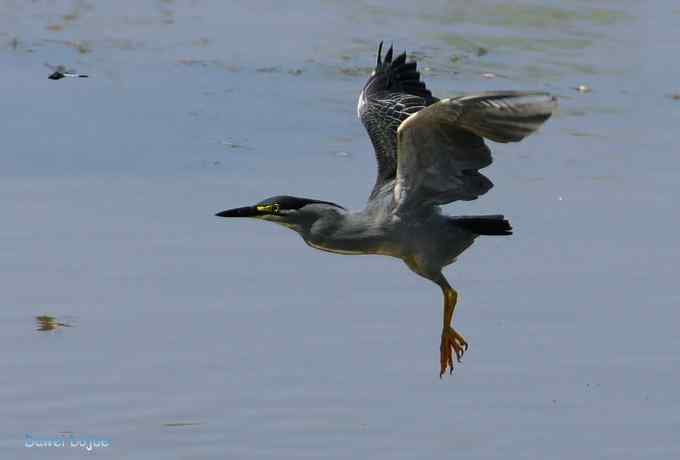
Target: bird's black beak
column 246, row 211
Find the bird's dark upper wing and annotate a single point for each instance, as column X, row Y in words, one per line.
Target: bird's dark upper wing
column 393, row 93
column 441, row 150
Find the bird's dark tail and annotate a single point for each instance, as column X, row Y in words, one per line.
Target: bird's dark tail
column 484, row 225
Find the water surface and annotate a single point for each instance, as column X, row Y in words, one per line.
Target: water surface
column 193, row 337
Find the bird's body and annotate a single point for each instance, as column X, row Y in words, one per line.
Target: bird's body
column 377, row 230
column 429, row 153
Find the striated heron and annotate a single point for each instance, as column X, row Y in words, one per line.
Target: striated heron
column 429, row 153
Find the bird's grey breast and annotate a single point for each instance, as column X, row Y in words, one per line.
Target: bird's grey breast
column 364, row 232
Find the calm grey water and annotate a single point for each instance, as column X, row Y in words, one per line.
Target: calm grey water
column 197, row 338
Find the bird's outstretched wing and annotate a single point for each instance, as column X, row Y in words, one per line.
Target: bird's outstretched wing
column 393, row 93
column 441, row 150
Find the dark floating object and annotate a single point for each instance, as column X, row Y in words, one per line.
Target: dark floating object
column 583, row 89
column 49, row 323
column 180, row 424
column 60, row 72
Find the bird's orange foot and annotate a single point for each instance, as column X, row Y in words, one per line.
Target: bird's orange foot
column 452, row 342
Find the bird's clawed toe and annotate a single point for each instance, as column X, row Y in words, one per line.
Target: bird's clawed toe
column 452, row 343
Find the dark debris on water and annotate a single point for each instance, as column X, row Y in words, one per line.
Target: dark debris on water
column 49, row 323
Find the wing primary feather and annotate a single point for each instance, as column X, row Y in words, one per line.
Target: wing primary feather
column 505, row 116
column 388, row 56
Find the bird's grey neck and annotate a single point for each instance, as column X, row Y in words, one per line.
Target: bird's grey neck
column 348, row 233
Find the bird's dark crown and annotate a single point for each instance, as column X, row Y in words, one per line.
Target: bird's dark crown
column 290, row 203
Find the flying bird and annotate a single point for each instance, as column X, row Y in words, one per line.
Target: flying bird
column 61, row 71
column 429, row 153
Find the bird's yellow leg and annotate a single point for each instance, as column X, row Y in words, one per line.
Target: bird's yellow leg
column 452, row 342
